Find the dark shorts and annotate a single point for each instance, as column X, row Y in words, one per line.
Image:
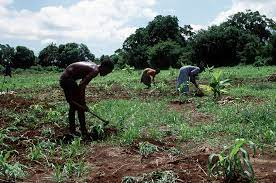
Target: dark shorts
column 70, row 88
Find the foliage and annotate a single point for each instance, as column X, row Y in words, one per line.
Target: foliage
column 10, row 171
column 253, row 22
column 217, row 84
column 6, row 53
column 153, row 177
column 23, row 57
column 164, row 54
column 73, row 52
column 146, row 148
column 233, row 162
column 48, row 56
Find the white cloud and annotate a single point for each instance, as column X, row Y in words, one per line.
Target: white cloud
column 86, row 21
column 198, row 27
column 266, row 7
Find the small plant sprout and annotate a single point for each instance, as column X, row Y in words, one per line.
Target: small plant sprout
column 10, row 172
column 35, row 153
column 146, row 148
column 153, row 177
column 58, row 174
column 233, row 163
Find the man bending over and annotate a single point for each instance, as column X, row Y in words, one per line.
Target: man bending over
column 75, row 93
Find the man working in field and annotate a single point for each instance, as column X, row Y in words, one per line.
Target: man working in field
column 75, row 93
column 148, row 76
column 186, row 74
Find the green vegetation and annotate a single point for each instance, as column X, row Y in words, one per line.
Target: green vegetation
column 35, row 119
column 233, row 163
column 155, row 177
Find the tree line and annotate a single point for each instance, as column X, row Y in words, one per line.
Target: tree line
column 244, row 38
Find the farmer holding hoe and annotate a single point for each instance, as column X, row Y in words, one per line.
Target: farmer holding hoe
column 75, row 93
column 148, row 76
column 186, row 74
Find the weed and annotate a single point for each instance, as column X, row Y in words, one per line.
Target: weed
column 35, row 153
column 58, row 175
column 146, row 148
column 10, row 171
column 154, row 177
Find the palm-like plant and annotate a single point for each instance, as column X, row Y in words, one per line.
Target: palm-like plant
column 217, row 84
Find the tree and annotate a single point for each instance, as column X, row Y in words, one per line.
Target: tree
column 224, row 46
column 85, row 53
column 253, row 22
column 119, row 58
column 6, row 53
column 164, row 28
column 23, row 58
column 135, row 47
column 73, row 52
column 49, row 55
column 164, row 54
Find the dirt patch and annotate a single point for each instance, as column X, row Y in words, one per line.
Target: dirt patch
column 272, row 77
column 19, row 104
column 244, row 99
column 111, row 164
column 190, row 112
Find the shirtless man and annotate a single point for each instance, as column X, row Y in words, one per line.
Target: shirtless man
column 148, row 76
column 75, row 93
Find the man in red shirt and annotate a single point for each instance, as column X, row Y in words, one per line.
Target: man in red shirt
column 148, row 76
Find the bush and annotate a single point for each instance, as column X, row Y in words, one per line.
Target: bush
column 260, row 61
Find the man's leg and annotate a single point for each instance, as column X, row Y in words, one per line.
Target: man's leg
column 81, row 112
column 81, row 116
column 72, row 125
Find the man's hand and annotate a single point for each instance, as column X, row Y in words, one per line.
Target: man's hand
column 86, row 108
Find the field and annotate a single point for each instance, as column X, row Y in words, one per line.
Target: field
column 152, row 132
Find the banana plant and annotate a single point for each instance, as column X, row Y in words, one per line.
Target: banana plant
column 218, row 85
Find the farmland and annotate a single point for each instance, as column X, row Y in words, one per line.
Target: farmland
column 151, row 130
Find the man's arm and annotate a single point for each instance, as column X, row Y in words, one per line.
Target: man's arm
column 87, row 79
column 193, row 80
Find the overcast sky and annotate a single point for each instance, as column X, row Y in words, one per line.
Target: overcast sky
column 103, row 25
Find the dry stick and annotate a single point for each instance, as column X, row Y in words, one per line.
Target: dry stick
column 201, row 169
column 82, row 107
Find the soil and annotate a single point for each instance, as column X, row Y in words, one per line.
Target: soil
column 14, row 102
column 111, row 163
column 190, row 112
column 272, row 77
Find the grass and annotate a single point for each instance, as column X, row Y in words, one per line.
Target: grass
column 143, row 115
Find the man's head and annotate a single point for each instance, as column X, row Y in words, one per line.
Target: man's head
column 106, row 67
column 157, row 71
column 201, row 66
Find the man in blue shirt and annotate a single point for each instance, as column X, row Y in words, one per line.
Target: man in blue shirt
column 186, row 74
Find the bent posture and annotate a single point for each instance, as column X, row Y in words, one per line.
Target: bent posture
column 148, row 76
column 186, row 74
column 75, row 93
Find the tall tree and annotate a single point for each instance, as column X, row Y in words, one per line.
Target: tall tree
column 49, row 55
column 164, row 28
column 253, row 22
column 23, row 58
column 73, row 52
column 164, row 54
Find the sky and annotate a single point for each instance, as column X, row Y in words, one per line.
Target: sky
column 103, row 25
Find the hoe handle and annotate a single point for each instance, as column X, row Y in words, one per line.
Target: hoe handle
column 82, row 107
